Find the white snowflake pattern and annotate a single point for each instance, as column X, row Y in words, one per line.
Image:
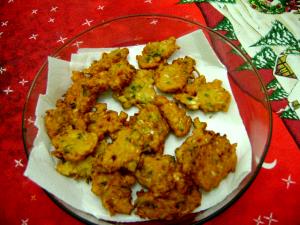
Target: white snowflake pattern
column 10, row 1
column 270, row 219
column 53, row 9
column 23, row 82
column 4, row 23
column 18, row 163
column 51, row 20
column 61, row 39
column 258, row 220
column 288, row 181
column 8, row 90
column 77, row 43
column 148, row 1
column 100, row 7
column 24, row 221
column 2, row 70
column 34, row 11
column 33, row 36
column 153, row 22
column 30, row 120
column 87, row 22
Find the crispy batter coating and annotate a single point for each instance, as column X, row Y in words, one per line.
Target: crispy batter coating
column 168, row 206
column 171, row 78
column 107, row 60
column 120, row 75
column 206, row 156
column 124, row 152
column 152, row 127
column 102, row 121
column 176, row 117
column 74, row 145
column 83, row 93
column 155, row 53
column 208, row 97
column 81, row 169
column 155, row 172
column 114, row 191
column 140, row 90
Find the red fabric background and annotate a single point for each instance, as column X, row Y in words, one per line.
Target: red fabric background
column 22, row 202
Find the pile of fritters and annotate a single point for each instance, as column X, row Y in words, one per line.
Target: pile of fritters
column 115, row 152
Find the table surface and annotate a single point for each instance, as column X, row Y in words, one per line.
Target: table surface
column 32, row 31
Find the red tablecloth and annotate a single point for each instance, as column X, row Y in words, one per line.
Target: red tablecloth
column 32, row 30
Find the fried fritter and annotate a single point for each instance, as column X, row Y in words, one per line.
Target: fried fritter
column 102, row 121
column 155, row 53
column 120, row 75
column 114, row 191
column 206, row 156
column 140, row 90
column 208, row 97
column 124, row 152
column 81, row 169
column 176, row 117
column 172, row 78
column 74, row 145
column 107, row 60
column 59, row 119
column 155, row 172
column 168, row 206
column 152, row 127
column 83, row 93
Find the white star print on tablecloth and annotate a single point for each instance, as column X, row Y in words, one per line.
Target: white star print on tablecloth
column 4, row 23
column 270, row 219
column 8, row 90
column 258, row 220
column 288, row 181
column 87, row 22
column 19, row 163
column 100, row 7
column 33, row 36
column 2, row 70
column 53, row 9
column 154, row 22
column 61, row 39
column 34, row 11
column 24, row 221
column 77, row 43
column 23, row 82
column 51, row 20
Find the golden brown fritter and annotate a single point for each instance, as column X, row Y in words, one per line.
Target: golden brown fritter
column 120, row 75
column 155, row 172
column 82, row 169
column 152, row 127
column 168, row 206
column 124, row 152
column 140, row 90
column 206, row 156
column 84, row 91
column 107, row 60
column 114, row 190
column 208, row 97
column 74, row 145
column 155, row 53
column 172, row 78
column 102, row 121
column 176, row 117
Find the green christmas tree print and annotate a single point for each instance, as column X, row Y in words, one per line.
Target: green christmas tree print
column 267, row 6
column 192, row 1
column 278, row 35
column 226, row 25
column 289, row 113
column 278, row 92
column 264, row 59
